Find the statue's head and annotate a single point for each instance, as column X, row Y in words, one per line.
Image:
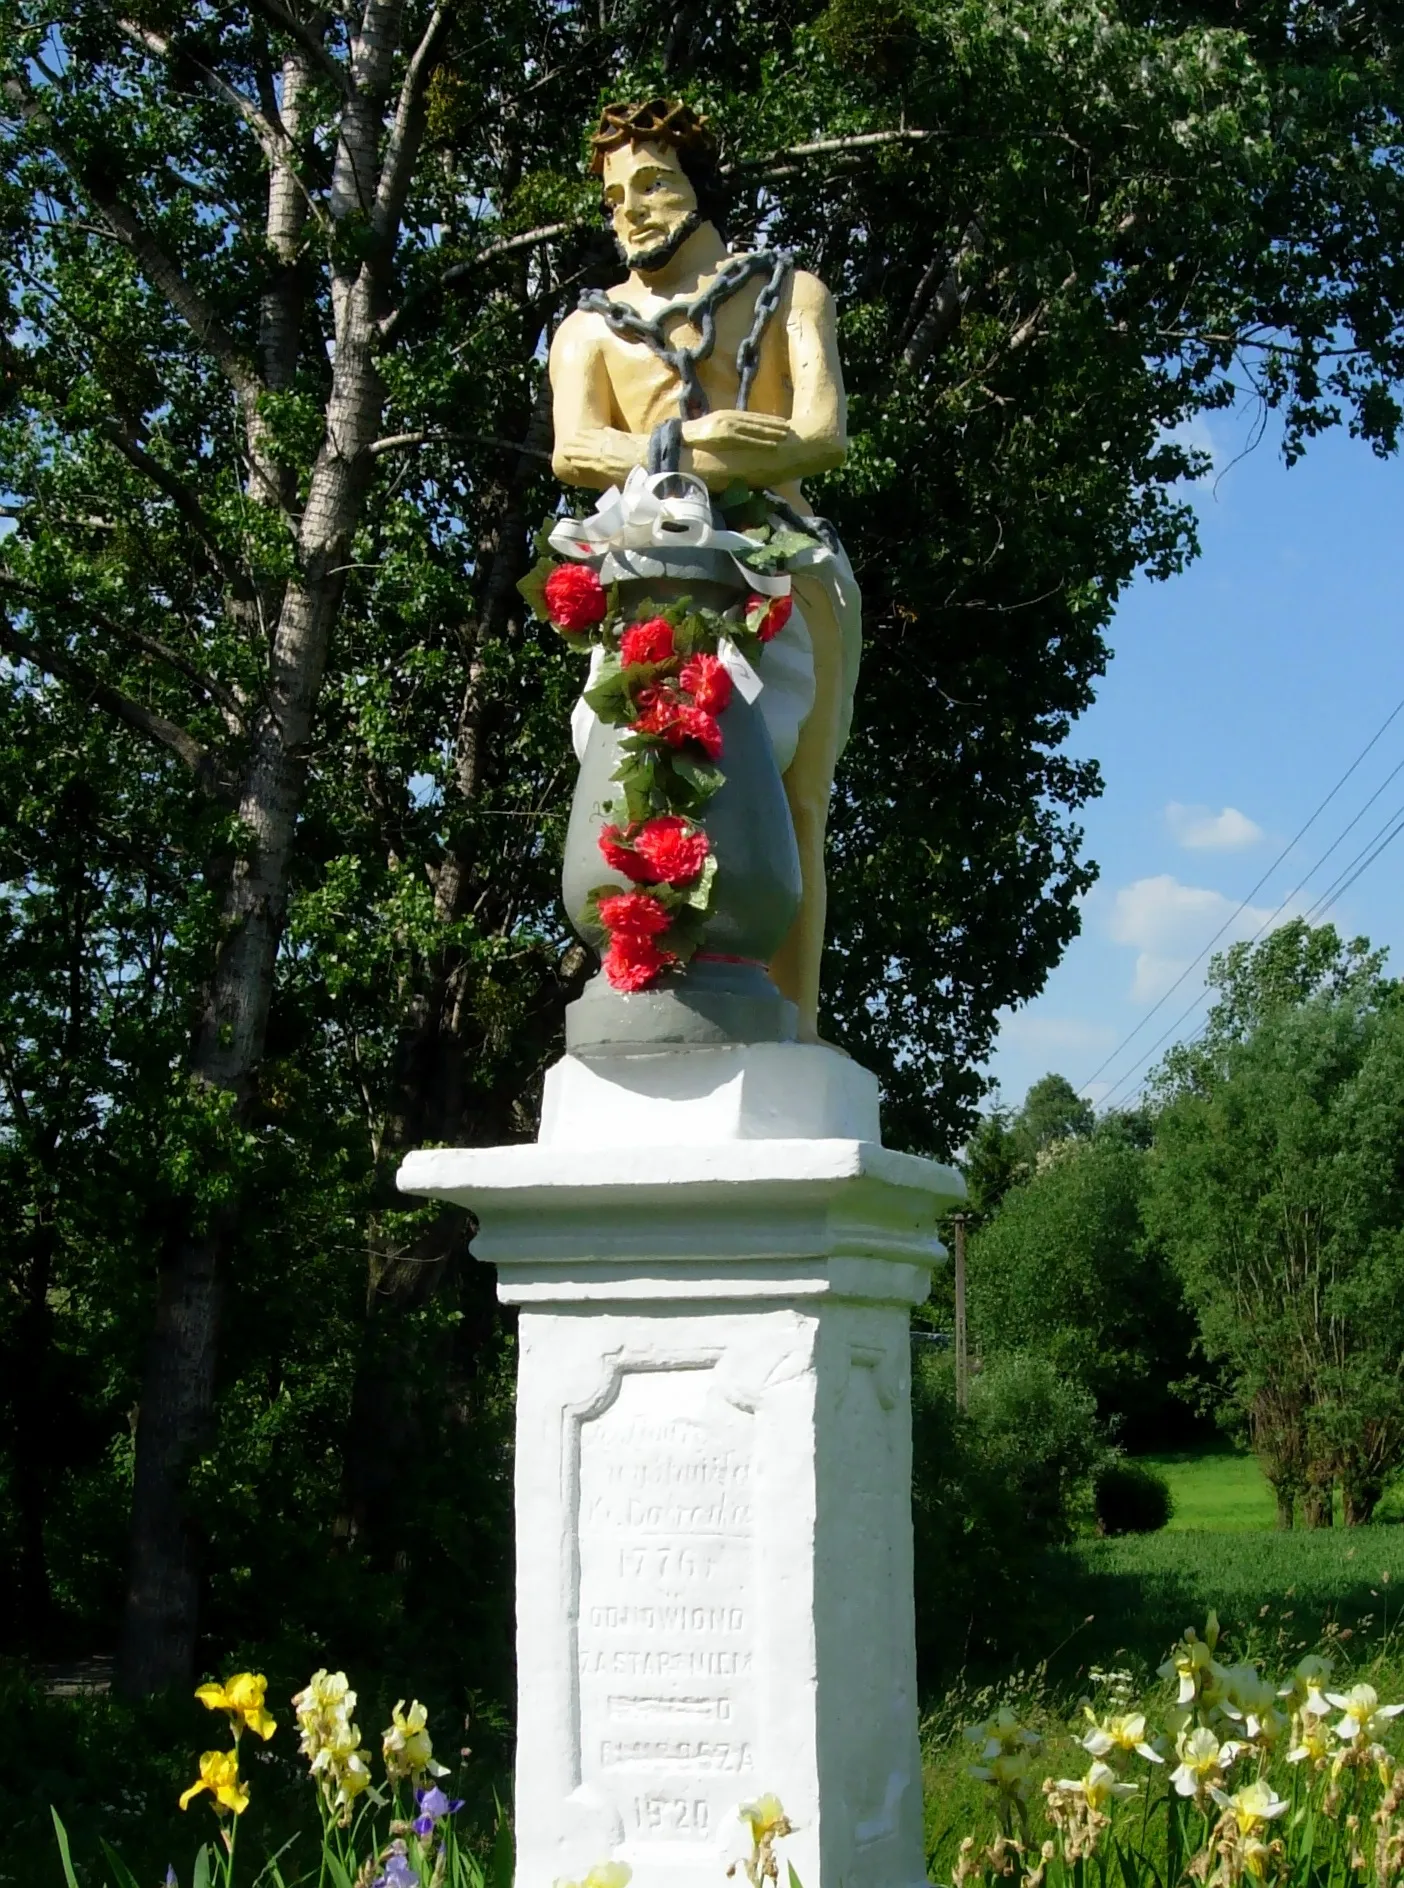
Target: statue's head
column 658, row 162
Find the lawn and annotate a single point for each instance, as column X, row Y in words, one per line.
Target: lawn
column 1221, row 1490
column 1121, row 1603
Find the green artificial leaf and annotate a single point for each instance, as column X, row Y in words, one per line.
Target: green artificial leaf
column 699, row 894
column 533, row 586
column 64, row 1857
column 703, row 777
column 783, row 544
column 609, row 695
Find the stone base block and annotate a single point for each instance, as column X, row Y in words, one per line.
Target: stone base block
column 708, row 1096
column 713, row 1466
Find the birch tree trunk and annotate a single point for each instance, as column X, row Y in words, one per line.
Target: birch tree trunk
column 161, row 1619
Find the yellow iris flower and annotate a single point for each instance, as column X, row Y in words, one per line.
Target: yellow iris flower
column 766, row 1818
column 406, row 1747
column 602, row 1875
column 242, row 1697
column 219, row 1774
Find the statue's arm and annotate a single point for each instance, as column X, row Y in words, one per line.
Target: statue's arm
column 819, row 415
column 762, row 448
column 588, row 450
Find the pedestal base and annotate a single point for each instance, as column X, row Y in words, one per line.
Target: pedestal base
column 714, row 1579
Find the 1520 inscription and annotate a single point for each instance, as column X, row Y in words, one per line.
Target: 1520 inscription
column 665, row 1625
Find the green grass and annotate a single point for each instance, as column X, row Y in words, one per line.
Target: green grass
column 1220, row 1490
column 1121, row 1603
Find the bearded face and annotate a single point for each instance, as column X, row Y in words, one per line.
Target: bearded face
column 651, row 203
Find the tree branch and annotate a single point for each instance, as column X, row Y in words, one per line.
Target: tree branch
column 134, row 714
column 310, row 41
column 277, row 146
column 216, row 691
column 180, row 495
column 402, row 146
column 159, row 268
column 460, row 271
column 395, row 442
column 828, row 147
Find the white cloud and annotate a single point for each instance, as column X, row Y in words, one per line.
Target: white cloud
column 1200, row 829
column 1028, row 1030
column 1168, row 924
column 1196, row 435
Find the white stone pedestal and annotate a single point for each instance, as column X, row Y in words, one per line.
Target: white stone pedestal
column 714, row 1546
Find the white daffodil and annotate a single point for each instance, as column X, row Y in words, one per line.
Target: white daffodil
column 1203, row 1763
column 1252, row 1806
column 1365, row 1717
column 1125, row 1732
column 1099, row 1787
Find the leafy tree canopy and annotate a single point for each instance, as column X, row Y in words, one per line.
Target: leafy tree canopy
column 279, row 281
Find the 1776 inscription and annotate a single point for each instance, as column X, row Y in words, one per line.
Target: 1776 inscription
column 665, row 1628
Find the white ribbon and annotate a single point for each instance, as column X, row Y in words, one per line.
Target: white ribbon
column 654, row 512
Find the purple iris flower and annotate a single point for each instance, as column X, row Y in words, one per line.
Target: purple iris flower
column 433, row 1807
column 397, row 1872
column 171, row 1878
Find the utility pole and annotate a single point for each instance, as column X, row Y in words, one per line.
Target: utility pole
column 961, row 1361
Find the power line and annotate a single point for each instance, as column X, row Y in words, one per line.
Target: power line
column 1393, row 826
column 1334, row 889
column 1165, row 995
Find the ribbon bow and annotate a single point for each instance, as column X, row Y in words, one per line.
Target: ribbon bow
column 653, row 513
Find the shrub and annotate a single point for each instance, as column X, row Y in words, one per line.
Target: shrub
column 991, row 1489
column 1132, row 1498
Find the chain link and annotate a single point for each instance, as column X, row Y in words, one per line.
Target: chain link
column 701, row 313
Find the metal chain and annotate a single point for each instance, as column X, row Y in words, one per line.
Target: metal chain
column 701, row 313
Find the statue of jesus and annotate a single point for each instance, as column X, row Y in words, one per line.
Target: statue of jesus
column 742, row 383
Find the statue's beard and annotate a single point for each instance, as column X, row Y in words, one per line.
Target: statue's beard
column 647, row 261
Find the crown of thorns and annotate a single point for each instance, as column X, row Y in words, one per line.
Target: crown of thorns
column 655, row 121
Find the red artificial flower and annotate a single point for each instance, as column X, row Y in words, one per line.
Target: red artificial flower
column 633, row 962
column 695, row 724
column 666, row 850
column 659, row 708
column 770, row 615
column 673, row 849
column 575, row 597
column 620, row 856
column 675, row 721
column 708, row 682
column 635, row 913
column 647, row 642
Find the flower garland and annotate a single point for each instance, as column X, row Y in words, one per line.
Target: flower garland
column 665, row 678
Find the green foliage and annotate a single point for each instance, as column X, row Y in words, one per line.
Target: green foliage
column 1065, row 1269
column 1131, row 1497
column 1276, row 1193
column 991, row 1489
column 1053, row 233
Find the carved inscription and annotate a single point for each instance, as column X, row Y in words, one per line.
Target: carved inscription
column 666, row 1602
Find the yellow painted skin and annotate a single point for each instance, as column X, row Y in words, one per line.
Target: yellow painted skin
column 608, row 395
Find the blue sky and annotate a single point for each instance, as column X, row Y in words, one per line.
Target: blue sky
column 1237, row 696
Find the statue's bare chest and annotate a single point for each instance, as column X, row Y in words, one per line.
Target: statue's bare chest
column 733, row 353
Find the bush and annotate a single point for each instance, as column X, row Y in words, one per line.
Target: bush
column 1132, row 1498
column 991, row 1490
